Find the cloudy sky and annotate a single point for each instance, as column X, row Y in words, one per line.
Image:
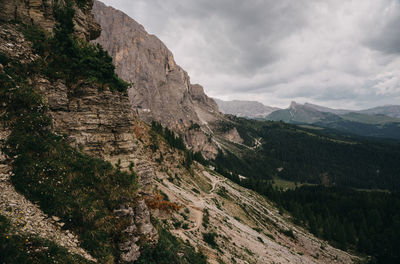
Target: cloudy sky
column 335, row 53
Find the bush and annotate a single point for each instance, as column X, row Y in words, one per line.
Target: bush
column 67, row 57
column 209, row 238
column 170, row 249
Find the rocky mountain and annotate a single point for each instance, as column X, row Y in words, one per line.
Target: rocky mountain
column 84, row 180
column 389, row 110
column 161, row 90
column 297, row 113
column 249, row 109
column 327, row 109
column 364, row 123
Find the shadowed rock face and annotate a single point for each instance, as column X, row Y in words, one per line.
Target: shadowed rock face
column 162, row 90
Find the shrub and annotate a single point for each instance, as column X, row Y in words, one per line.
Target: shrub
column 209, row 238
column 170, row 249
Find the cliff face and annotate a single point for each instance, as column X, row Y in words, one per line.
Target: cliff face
column 96, row 121
column 40, row 13
column 161, row 89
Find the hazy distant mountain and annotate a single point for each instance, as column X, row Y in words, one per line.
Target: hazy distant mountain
column 389, row 110
column 298, row 113
column 370, row 123
column 250, row 109
column 328, row 110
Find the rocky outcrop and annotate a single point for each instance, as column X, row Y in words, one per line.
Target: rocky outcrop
column 96, row 121
column 140, row 226
column 161, row 89
column 40, row 13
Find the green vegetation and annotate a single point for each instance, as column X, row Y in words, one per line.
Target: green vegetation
column 64, row 56
column 206, row 218
column 81, row 190
column 176, row 142
column 170, row 249
column 168, row 135
column 370, row 119
column 30, row 249
column 365, row 221
column 311, row 156
column 209, row 238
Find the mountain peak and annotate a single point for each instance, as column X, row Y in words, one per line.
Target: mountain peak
column 293, row 104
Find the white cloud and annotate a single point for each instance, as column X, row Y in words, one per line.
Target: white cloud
column 334, row 53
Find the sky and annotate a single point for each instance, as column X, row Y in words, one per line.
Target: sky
column 341, row 54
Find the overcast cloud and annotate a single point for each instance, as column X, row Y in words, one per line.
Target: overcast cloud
column 343, row 54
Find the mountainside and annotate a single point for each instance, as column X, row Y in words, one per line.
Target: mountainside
column 161, row 89
column 390, row 110
column 297, row 113
column 327, row 109
column 249, row 109
column 364, row 123
column 84, row 180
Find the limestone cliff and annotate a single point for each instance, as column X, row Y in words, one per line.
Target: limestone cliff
column 161, row 89
column 96, row 121
column 40, row 13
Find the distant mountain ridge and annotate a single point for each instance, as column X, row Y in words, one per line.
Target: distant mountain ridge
column 380, row 122
column 249, row 109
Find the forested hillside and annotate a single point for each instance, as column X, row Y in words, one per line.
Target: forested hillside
column 340, row 203
column 309, row 155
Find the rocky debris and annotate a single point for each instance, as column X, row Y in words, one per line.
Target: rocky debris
column 162, row 90
column 40, row 13
column 233, row 136
column 29, row 219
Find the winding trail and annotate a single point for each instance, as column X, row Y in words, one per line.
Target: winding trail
column 198, row 206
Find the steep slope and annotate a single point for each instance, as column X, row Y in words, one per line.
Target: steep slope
column 59, row 125
column 227, row 222
column 42, row 111
column 161, row 89
column 249, row 109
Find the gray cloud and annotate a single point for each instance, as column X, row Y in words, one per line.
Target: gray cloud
column 335, row 53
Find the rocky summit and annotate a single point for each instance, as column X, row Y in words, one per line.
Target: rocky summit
column 161, row 89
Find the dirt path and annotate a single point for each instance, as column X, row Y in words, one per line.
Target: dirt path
column 198, row 207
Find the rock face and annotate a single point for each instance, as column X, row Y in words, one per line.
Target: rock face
column 161, row 89
column 40, row 13
column 98, row 122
